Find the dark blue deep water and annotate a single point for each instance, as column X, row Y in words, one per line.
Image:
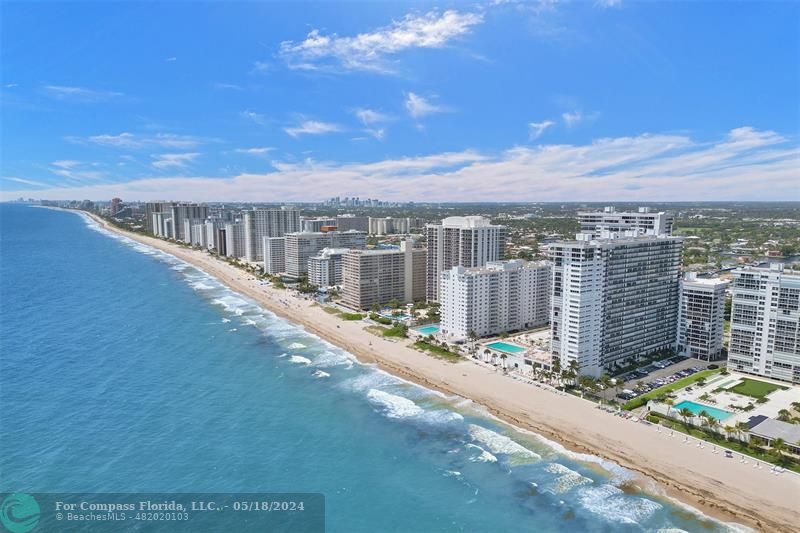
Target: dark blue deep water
column 123, row 369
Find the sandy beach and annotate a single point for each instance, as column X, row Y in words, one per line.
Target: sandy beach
column 728, row 489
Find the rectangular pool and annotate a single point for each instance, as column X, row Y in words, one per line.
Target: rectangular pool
column 697, row 408
column 430, row 329
column 505, row 347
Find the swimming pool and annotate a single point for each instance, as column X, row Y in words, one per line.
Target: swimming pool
column 430, row 329
column 697, row 408
column 505, row 347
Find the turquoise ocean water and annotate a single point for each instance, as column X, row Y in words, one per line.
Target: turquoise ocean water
column 124, row 369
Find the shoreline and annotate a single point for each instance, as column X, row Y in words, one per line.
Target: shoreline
column 723, row 489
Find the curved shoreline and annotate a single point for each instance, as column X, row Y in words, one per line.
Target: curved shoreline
column 726, row 490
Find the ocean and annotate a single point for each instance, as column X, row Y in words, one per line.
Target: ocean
column 124, row 369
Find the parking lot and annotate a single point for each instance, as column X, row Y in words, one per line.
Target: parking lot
column 654, row 375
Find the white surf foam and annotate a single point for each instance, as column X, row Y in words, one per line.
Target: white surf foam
column 300, row 360
column 394, row 406
column 483, row 456
column 567, row 479
column 297, row 346
column 321, row 374
column 500, row 444
column 612, row 504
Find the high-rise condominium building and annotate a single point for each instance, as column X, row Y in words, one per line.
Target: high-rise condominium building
column 352, row 222
column 325, row 268
column 300, row 247
column 234, row 239
column 150, row 209
column 498, row 297
column 765, row 323
column 274, row 255
column 702, row 317
column 613, row 299
column 260, row 223
column 376, row 277
column 461, row 241
column 183, row 212
column 609, row 219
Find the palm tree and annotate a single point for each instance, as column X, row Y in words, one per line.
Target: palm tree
column 796, row 406
column 670, row 402
column 473, row 338
column 618, row 384
column 729, row 430
column 713, row 423
column 784, row 415
column 486, row 354
column 742, row 429
column 574, row 368
column 778, row 447
column 504, row 356
column 686, row 414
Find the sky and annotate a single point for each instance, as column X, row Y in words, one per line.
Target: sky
column 608, row 100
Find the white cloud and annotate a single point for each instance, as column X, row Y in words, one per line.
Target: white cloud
column 127, row 140
column 260, row 67
column 171, row 59
column 254, row 151
column 608, row 3
column 65, row 163
column 228, row 86
column 75, row 170
column 370, row 116
column 163, row 161
column 536, row 129
column 27, row 181
column 258, row 118
column 419, row 106
column 79, row 94
column 573, row 118
column 312, row 127
column 369, row 51
column 744, row 164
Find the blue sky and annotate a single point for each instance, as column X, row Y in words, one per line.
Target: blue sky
column 537, row 101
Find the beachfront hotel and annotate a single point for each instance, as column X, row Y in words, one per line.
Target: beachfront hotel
column 609, row 219
column 702, row 317
column 325, row 268
column 376, row 277
column 470, row 241
column 260, row 223
column 498, row 297
column 613, row 298
column 302, row 246
column 765, row 323
column 180, row 213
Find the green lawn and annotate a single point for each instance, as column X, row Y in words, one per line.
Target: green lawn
column 437, row 351
column 669, row 387
column 351, row 316
column 721, row 441
column 330, row 310
column 755, row 388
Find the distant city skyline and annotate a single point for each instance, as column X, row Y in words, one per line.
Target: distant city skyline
column 493, row 101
